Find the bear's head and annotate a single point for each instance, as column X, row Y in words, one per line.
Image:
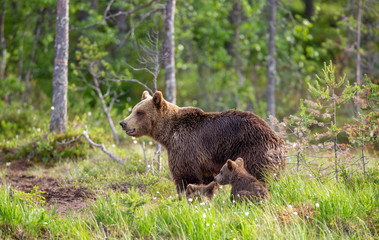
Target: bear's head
column 144, row 115
column 197, row 192
column 229, row 170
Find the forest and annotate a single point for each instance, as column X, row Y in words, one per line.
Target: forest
column 71, row 71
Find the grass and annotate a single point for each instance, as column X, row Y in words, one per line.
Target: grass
column 133, row 205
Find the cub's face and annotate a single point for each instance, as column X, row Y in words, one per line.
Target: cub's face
column 228, row 171
column 198, row 192
column 141, row 121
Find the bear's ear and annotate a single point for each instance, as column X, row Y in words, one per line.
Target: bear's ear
column 145, row 95
column 158, row 100
column 231, row 165
column 239, row 162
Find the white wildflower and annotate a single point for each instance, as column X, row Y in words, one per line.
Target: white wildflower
column 170, row 196
column 246, row 213
column 38, row 130
column 310, row 175
column 317, row 205
column 238, row 195
column 189, row 199
column 220, row 187
column 8, row 164
column 150, row 143
column 52, row 108
column 234, row 201
column 129, row 109
column 295, row 213
column 204, row 215
column 202, row 203
column 158, row 192
column 89, row 113
column 18, row 111
column 113, row 145
column 207, row 224
column 154, row 198
column 135, row 141
column 290, row 206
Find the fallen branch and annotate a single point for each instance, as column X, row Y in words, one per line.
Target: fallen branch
column 85, row 135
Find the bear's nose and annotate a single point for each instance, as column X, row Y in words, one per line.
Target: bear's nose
column 123, row 125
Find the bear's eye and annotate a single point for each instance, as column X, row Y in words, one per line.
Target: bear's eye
column 139, row 113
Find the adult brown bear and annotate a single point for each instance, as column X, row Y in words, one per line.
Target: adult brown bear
column 199, row 143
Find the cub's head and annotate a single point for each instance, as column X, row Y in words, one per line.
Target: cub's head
column 144, row 115
column 198, row 192
column 229, row 170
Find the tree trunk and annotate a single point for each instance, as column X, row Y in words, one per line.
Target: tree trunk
column 34, row 51
column 309, row 9
column 358, row 54
column 169, row 51
column 235, row 19
column 106, row 110
column 59, row 109
column 271, row 60
column 3, row 44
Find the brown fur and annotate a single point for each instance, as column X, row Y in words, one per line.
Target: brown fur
column 244, row 185
column 197, row 192
column 198, row 143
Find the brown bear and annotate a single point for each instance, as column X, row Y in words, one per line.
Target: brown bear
column 199, row 143
column 244, row 185
column 197, row 192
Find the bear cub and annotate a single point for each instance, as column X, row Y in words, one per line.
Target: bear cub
column 244, row 185
column 197, row 192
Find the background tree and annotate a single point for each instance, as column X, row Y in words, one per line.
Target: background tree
column 60, row 81
column 169, row 51
column 358, row 52
column 3, row 46
column 271, row 59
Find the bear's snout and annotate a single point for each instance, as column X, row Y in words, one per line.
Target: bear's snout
column 123, row 125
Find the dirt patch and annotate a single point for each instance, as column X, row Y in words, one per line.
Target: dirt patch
column 56, row 193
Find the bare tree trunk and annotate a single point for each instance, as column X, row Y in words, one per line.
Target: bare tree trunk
column 271, row 60
column 309, row 9
column 30, row 67
column 3, row 43
column 235, row 18
column 59, row 110
column 358, row 54
column 106, row 110
column 169, row 51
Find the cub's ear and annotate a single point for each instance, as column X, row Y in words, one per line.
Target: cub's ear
column 145, row 95
column 231, row 165
column 239, row 162
column 212, row 186
column 190, row 188
column 158, row 100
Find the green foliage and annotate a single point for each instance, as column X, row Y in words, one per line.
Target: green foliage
column 45, row 147
column 19, row 120
column 10, row 87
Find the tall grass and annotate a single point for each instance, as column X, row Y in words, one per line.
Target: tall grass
column 300, row 208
